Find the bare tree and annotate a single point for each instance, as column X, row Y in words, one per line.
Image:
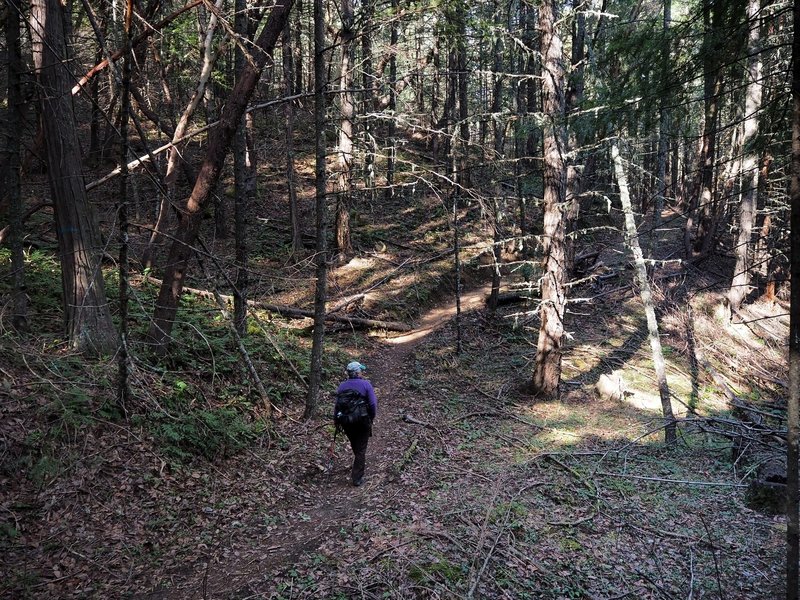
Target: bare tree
column 391, row 156
column 632, row 241
column 86, row 312
column 291, row 186
column 175, row 154
column 663, row 130
column 123, row 389
column 245, row 172
column 218, row 146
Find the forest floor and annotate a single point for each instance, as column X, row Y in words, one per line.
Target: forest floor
column 474, row 489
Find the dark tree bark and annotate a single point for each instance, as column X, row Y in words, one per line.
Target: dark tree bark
column 19, row 315
column 574, row 98
column 321, row 257
column 245, row 171
column 87, row 315
column 703, row 204
column 370, row 92
column 463, row 103
column 740, row 282
column 663, row 131
column 218, row 146
column 547, row 367
column 520, row 135
column 288, row 108
column 123, row 387
column 498, row 130
column 793, row 404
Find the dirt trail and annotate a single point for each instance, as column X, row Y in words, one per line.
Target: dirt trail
column 322, row 502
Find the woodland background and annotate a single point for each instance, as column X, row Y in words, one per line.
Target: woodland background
column 208, row 208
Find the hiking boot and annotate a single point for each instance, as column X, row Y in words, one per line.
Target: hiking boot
column 358, row 482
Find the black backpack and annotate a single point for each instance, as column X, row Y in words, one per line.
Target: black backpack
column 350, row 408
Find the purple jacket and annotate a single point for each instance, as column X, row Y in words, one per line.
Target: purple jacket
column 364, row 387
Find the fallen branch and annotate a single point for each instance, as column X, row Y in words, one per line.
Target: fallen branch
column 410, row 419
column 663, row 480
column 300, row 313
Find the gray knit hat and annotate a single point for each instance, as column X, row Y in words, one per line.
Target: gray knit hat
column 355, row 367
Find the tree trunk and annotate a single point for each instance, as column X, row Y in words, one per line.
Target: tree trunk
column 123, row 387
column 793, row 402
column 19, row 314
column 321, row 257
column 700, row 221
column 298, row 49
column 663, row 131
column 574, row 99
column 288, row 107
column 218, row 145
column 498, row 135
column 749, row 171
column 344, row 244
column 175, row 155
column 245, row 172
column 463, row 104
column 87, row 315
column 547, row 366
column 520, row 135
column 391, row 157
column 632, row 241
column 368, row 83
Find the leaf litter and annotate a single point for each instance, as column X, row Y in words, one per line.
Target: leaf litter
column 482, row 493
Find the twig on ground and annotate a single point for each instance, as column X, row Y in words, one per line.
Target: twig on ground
column 572, row 523
column 714, row 554
column 663, row 480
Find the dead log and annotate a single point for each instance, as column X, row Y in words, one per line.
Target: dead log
column 300, row 313
column 515, row 297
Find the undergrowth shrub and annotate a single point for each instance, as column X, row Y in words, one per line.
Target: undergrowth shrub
column 210, row 432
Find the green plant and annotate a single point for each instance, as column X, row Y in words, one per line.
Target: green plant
column 44, row 469
column 207, row 432
column 441, row 567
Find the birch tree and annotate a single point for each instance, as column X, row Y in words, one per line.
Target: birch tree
column 632, row 241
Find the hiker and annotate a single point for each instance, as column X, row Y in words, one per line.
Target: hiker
column 356, row 398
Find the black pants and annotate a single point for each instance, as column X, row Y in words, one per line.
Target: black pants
column 359, row 438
